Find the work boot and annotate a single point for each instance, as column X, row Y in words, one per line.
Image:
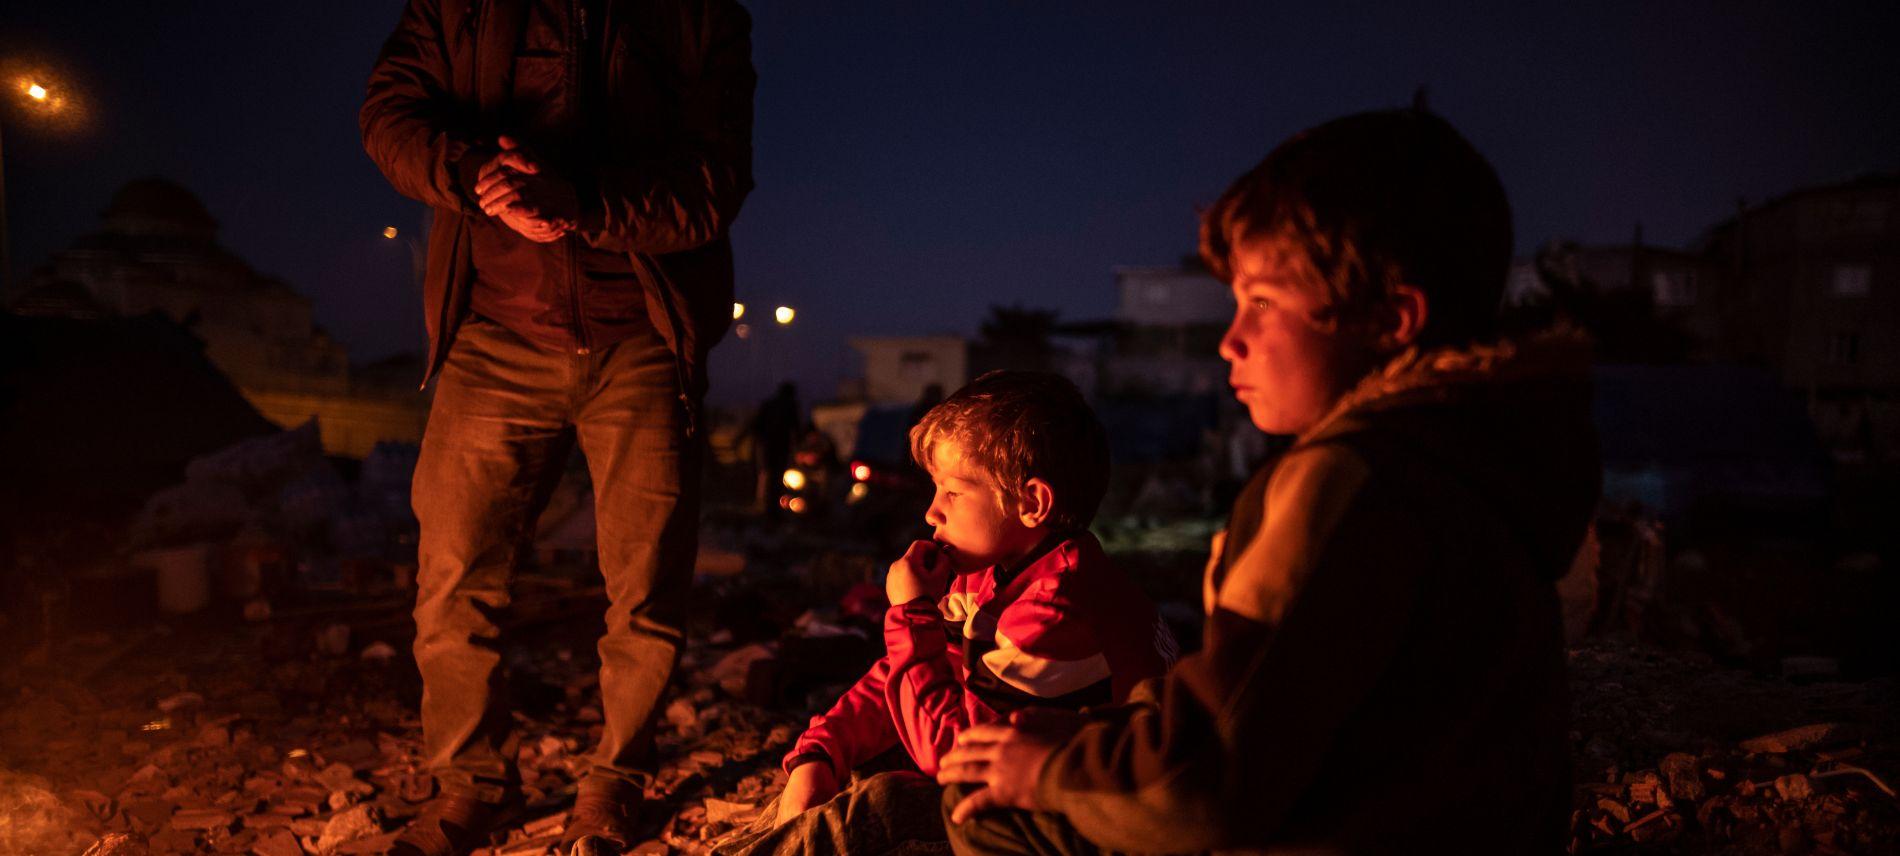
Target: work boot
column 601, row 824
column 452, row 824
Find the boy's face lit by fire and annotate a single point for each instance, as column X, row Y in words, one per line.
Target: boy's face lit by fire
column 1286, row 363
column 975, row 524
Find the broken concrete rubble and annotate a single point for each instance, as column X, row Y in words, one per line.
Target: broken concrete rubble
column 265, row 738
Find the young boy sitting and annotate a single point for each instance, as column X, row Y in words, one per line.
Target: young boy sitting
column 1011, row 605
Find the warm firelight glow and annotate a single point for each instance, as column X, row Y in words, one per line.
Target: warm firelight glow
column 784, row 314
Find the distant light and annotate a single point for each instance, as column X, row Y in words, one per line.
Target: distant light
column 36, row 92
column 389, row 231
column 797, row 505
column 743, row 331
column 858, row 492
column 861, row 471
column 783, row 314
column 794, row 480
column 738, row 310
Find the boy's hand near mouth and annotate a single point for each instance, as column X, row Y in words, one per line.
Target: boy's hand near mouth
column 923, row 571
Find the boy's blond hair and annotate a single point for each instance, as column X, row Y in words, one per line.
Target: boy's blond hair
column 1017, row 425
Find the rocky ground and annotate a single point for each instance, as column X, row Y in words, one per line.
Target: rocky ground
column 297, row 733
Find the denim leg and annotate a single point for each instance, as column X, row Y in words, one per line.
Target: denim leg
column 632, row 429
column 495, row 444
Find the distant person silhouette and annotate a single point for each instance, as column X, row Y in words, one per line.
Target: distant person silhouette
column 774, row 428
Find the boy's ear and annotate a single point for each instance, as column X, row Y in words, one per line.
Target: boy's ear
column 1404, row 316
column 1038, row 503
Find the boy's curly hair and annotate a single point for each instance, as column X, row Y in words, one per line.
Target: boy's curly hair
column 1017, row 425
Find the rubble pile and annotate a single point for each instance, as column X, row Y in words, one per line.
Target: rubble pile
column 296, row 733
column 299, row 735
column 1662, row 765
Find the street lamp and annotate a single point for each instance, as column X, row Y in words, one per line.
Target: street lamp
column 45, row 101
column 784, row 314
column 738, row 310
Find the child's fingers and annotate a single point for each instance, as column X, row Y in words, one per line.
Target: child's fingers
column 968, row 772
column 968, row 756
column 983, row 734
column 982, row 800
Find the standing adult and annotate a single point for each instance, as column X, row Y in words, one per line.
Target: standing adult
column 585, row 159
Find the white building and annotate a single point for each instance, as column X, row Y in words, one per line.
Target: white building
column 898, row 368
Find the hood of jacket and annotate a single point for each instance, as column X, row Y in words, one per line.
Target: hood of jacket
column 1509, row 422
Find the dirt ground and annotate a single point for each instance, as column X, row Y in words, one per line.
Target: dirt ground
column 298, row 733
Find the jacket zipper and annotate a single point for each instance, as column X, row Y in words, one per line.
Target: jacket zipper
column 574, row 48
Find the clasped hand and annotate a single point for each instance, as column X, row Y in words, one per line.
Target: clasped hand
column 515, row 188
column 1004, row 761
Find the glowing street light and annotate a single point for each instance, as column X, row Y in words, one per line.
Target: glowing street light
column 389, row 232
column 738, row 310
column 46, row 105
column 783, row 314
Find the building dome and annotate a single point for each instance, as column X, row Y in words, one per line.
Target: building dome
column 158, row 206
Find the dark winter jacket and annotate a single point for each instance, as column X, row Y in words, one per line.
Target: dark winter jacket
column 672, row 143
column 1383, row 670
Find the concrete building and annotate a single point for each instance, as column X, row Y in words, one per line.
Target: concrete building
column 1683, row 287
column 898, row 368
column 156, row 251
column 1167, row 327
column 1811, row 290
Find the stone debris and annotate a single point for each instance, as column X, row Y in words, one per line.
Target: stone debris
column 358, row 822
column 1799, row 739
column 266, row 738
column 1785, row 790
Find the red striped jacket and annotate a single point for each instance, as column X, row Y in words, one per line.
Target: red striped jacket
column 1069, row 630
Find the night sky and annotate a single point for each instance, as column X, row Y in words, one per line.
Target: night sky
column 919, row 162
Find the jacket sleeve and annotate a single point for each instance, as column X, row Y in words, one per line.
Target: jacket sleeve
column 688, row 197
column 1044, row 648
column 413, row 126
column 1303, row 624
column 856, row 728
column 925, row 694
